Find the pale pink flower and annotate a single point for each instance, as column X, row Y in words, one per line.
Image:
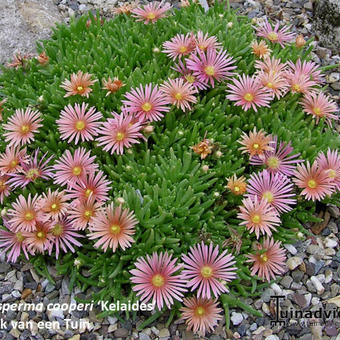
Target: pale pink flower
column 275, row 188
column 314, row 181
column 79, row 124
column 205, row 43
column 248, row 92
column 307, row 68
column 180, row 45
column 211, row 66
column 269, row 260
column 330, row 162
column 200, row 315
column 19, row 60
column 53, row 205
column 11, row 160
column 21, row 127
column 274, row 34
column 95, row 185
column 2, row 102
column 320, row 105
column 271, row 65
column 40, row 239
column 150, row 12
column 147, row 104
column 112, row 86
column 260, row 49
column 4, row 188
column 156, row 280
column 204, row 268
column 179, row 93
column 119, row 132
column 299, row 83
column 258, row 216
column 114, row 227
column 79, row 84
column 72, row 168
column 276, row 84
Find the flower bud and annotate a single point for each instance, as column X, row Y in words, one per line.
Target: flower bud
column 205, row 168
column 300, row 41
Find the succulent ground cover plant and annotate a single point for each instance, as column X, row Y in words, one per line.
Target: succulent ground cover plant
column 166, row 153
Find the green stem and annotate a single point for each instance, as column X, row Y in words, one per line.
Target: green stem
column 151, row 319
column 172, row 314
column 234, row 302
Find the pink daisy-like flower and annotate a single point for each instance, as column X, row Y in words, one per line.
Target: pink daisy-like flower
column 274, row 34
column 79, row 84
column 53, row 205
column 319, row 105
column 314, row 181
column 120, row 132
column 276, row 84
column 180, row 45
column 13, row 243
column 78, row 124
column 147, row 104
column 82, row 213
column 205, row 43
column 269, row 260
column 299, row 83
column 155, row 279
column 32, row 170
column 204, row 268
column 11, row 160
column 4, row 188
column 70, row 169
column 331, row 164
column 21, row 127
column 279, row 159
column 271, row 65
column 2, row 102
column 151, row 12
column 64, row 236
column 188, row 76
column 96, row 185
column 307, row 68
column 200, row 315
column 179, row 93
column 211, row 66
column 113, row 227
column 40, row 239
column 248, row 92
column 275, row 188
column 24, row 213
column 258, row 216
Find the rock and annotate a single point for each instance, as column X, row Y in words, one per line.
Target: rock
column 164, row 333
column 328, row 275
column 318, row 285
column 4, row 267
column 315, row 301
column 290, row 248
column 265, row 308
column 143, row 336
column 272, row 337
column 326, row 22
column 276, row 288
column 26, row 292
column 236, row 318
column 75, row 337
column 267, row 294
column 294, row 262
column 121, row 333
column 300, row 300
column 253, row 327
column 286, row 281
column 330, row 242
column 331, row 329
column 297, row 275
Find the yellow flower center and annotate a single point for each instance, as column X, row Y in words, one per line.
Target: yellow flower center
column 76, row 171
column 57, row 230
column 25, row 128
column 32, row 174
column 312, row 184
column 237, row 189
column 178, row 96
column 273, row 162
column 80, row 88
column 19, row 237
column 256, row 146
column 202, row 47
column 146, row 107
column 29, row 216
column 209, row 70
column 200, row 311
column 151, row 16
column 297, row 87
column 13, row 163
column 264, row 257
column 270, row 85
column 272, row 36
column 88, row 192
column 183, row 49
column 120, row 136
column 206, row 272
column 317, row 111
column 248, row 97
column 158, row 280
column 268, row 196
column 115, row 229
column 54, row 207
column 87, row 214
column 331, row 173
column 80, row 125
column 190, row 78
column 256, row 218
column 40, row 234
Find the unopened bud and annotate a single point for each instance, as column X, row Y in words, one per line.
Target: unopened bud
column 77, row 262
column 156, row 50
column 148, row 129
column 3, row 212
column 300, row 41
column 216, row 194
column 300, row 235
column 120, row 200
column 41, row 99
column 218, row 154
column 205, row 168
column 230, row 24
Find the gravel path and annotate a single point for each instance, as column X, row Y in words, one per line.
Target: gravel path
column 313, row 268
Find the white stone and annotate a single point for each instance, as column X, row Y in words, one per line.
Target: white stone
column 236, row 318
column 318, row 285
column 82, row 8
column 315, row 301
column 328, row 276
column 265, row 308
column 308, row 298
column 272, row 337
column 294, row 262
column 321, row 278
column 55, row 313
column 330, row 242
column 291, row 248
column 276, row 288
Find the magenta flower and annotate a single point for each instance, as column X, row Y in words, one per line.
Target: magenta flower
column 31, row 170
column 96, row 185
column 180, row 45
column 120, row 132
column 146, row 104
column 78, row 124
column 279, row 159
column 150, row 12
column 275, row 188
column 248, row 92
column 21, row 127
column 70, row 169
column 258, row 216
column 274, row 34
column 113, row 227
column 204, row 268
column 331, row 164
column 211, row 66
column 64, row 236
column 155, row 279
